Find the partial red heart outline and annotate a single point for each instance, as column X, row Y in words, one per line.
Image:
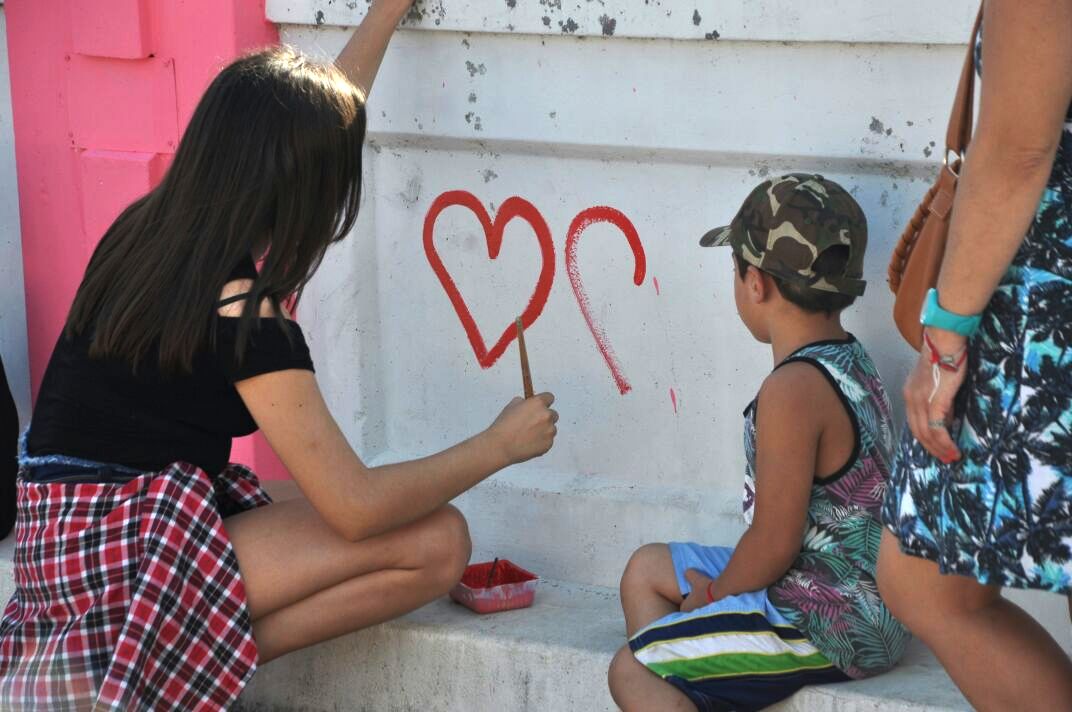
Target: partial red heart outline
column 581, row 223
column 493, row 234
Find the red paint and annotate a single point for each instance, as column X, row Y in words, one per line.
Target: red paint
column 493, row 233
column 655, row 280
column 512, row 587
column 579, row 225
column 673, row 400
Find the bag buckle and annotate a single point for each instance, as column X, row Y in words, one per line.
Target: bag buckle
column 952, row 161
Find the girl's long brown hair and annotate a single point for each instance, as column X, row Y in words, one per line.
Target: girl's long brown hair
column 270, row 165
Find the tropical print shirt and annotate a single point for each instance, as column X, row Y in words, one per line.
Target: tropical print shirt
column 830, row 592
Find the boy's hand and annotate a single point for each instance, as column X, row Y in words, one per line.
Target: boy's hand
column 697, row 597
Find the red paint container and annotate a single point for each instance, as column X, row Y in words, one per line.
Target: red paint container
column 510, row 587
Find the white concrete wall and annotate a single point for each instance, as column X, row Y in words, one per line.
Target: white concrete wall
column 12, row 295
column 673, row 130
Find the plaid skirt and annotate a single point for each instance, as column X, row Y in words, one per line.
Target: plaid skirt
column 128, row 596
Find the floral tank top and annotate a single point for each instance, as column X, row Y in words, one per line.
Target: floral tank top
column 830, row 593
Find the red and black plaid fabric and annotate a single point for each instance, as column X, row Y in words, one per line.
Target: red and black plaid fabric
column 128, row 596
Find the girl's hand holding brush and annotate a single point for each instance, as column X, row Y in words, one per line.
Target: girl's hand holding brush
column 526, row 427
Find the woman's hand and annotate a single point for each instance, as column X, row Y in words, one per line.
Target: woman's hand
column 526, row 428
column 929, row 405
column 698, row 586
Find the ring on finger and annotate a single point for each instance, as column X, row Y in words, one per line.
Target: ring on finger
column 936, row 424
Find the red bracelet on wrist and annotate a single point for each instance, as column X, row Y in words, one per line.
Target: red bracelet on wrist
column 710, row 595
column 946, row 363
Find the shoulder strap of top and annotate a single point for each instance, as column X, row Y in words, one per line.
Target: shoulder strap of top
column 233, row 299
column 245, row 269
column 823, row 357
column 959, row 133
column 837, row 359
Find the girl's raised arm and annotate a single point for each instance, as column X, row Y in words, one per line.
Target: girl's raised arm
column 360, row 58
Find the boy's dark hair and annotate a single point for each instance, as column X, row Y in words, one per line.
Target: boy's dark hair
column 831, row 262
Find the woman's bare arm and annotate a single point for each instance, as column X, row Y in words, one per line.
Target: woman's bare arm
column 1026, row 91
column 1027, row 61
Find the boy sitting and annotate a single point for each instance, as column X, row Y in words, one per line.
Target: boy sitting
column 795, row 603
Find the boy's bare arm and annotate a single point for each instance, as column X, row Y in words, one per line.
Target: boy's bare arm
column 793, row 409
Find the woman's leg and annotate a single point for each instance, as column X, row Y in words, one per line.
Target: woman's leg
column 649, row 587
column 634, row 687
column 306, row 584
column 998, row 655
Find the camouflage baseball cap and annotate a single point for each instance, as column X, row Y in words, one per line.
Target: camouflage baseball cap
column 786, row 223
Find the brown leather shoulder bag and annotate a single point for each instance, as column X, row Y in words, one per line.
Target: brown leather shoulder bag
column 917, row 258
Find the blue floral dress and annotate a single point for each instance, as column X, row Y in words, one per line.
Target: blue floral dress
column 1003, row 514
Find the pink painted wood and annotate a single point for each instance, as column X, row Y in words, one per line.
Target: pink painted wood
column 111, row 180
column 101, row 91
column 111, row 28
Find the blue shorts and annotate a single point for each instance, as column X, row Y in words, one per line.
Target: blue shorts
column 738, row 653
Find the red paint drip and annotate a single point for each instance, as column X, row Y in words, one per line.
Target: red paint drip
column 493, row 234
column 655, row 281
column 673, row 400
column 581, row 223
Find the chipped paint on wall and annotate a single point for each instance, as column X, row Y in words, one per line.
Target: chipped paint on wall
column 767, row 20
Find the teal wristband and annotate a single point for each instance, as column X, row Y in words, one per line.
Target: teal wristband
column 934, row 315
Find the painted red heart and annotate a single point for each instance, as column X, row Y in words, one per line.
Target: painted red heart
column 581, row 223
column 493, row 234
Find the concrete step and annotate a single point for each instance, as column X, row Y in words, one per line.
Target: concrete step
column 553, row 656
column 584, row 528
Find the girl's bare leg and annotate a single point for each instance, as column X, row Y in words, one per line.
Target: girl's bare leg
column 306, row 584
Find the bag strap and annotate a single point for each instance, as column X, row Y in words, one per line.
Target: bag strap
column 958, row 136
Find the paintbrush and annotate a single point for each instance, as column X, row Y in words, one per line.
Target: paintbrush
column 491, row 573
column 526, row 375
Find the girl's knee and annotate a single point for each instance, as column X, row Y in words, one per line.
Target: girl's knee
column 446, row 546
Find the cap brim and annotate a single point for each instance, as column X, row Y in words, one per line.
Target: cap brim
column 718, row 237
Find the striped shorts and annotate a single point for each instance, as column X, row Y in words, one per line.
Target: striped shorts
column 738, row 653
